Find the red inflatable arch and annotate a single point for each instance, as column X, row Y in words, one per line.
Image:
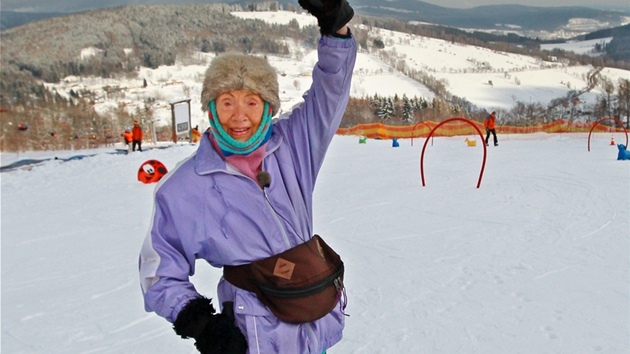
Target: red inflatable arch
column 483, row 164
column 601, row 120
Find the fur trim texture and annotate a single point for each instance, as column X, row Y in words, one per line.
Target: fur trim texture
column 233, row 71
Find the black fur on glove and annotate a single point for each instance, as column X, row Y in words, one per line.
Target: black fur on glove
column 213, row 333
column 331, row 14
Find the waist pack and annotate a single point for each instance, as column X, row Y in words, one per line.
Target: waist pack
column 301, row 284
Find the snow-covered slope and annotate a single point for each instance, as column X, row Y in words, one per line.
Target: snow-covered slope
column 534, row 261
column 489, row 79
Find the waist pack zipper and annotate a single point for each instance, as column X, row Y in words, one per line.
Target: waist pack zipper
column 334, row 279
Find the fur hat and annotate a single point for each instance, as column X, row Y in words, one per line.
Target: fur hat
column 235, row 71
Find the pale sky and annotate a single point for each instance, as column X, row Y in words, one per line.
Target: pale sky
column 544, row 3
column 46, row 5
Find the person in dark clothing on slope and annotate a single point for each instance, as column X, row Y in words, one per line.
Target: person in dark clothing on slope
column 136, row 133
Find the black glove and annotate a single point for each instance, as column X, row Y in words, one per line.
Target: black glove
column 331, row 14
column 213, row 333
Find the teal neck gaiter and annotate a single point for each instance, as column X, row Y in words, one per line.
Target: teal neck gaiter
column 228, row 145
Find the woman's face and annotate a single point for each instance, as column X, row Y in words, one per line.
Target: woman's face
column 240, row 113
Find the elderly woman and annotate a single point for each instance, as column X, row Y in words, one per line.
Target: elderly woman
column 244, row 197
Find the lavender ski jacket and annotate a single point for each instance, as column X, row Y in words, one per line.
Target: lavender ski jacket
column 205, row 209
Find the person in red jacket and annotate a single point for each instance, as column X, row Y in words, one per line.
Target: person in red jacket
column 136, row 136
column 490, row 123
column 128, row 136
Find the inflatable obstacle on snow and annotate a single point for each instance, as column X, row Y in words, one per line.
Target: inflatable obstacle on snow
column 623, row 153
column 151, row 171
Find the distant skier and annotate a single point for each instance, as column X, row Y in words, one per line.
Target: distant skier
column 490, row 123
column 136, row 136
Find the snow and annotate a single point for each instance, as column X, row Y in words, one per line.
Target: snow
column 535, row 260
column 580, row 47
column 87, row 53
column 585, row 25
column 465, row 70
column 278, row 17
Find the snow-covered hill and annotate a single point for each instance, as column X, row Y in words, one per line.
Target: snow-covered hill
column 489, row 79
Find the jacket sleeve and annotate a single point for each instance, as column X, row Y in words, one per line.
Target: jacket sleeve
column 312, row 125
column 165, row 265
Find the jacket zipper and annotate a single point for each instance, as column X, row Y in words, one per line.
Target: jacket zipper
column 277, row 218
column 311, row 329
column 273, row 211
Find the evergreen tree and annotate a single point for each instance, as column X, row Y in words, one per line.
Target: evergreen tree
column 407, row 110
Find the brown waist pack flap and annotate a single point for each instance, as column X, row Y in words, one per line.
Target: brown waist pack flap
column 301, row 284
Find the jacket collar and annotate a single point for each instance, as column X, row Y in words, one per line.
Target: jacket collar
column 208, row 160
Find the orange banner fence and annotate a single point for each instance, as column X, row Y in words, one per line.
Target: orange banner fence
column 422, row 129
